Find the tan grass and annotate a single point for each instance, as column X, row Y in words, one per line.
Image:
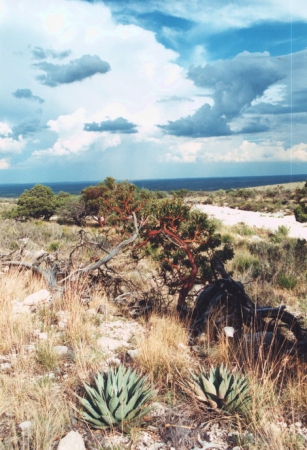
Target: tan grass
column 163, row 353
column 15, row 329
column 42, row 403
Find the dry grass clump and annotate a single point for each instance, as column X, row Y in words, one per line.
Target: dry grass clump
column 163, row 353
column 15, row 329
column 39, row 401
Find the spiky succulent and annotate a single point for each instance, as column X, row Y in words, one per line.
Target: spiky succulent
column 117, row 398
column 220, row 388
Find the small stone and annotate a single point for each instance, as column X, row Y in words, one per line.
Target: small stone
column 133, row 353
column 158, row 409
column 20, row 308
column 91, row 312
column 25, row 426
column 60, row 349
column 39, row 297
column 72, row 441
column 229, row 331
column 62, row 325
column 5, row 366
column 29, row 348
column 43, row 336
column 108, row 343
column 182, row 346
column 113, row 361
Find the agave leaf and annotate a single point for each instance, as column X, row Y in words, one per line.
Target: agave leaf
column 93, row 395
column 110, row 386
column 123, row 397
column 211, row 375
column 142, row 399
column 231, row 382
column 94, row 422
column 120, row 377
column 140, row 414
column 209, row 388
column 86, row 404
column 131, row 405
column 100, row 383
column 113, row 404
column 125, row 381
column 139, row 386
column 222, row 390
column 199, row 392
column 121, row 413
column 99, row 403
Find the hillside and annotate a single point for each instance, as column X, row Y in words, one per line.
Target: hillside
column 124, row 313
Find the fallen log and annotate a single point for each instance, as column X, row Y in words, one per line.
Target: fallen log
column 239, row 311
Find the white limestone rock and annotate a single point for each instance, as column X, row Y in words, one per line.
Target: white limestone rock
column 72, row 441
column 108, row 343
column 38, row 298
column 5, row 366
column 60, row 350
column 25, row 426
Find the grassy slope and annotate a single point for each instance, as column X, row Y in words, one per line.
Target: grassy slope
column 278, row 385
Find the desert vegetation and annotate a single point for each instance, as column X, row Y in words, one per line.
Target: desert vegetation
column 108, row 349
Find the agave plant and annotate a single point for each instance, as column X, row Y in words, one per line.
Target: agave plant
column 118, row 397
column 220, row 389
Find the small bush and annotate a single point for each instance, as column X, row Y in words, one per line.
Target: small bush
column 244, row 230
column 281, row 234
column 244, row 261
column 286, row 281
column 54, row 246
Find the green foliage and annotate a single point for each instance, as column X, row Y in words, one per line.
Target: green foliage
column 37, row 203
column 281, row 234
column 283, row 257
column 244, row 261
column 244, row 230
column 112, row 202
column 72, row 210
column 286, row 281
column 61, row 198
column 54, row 246
column 183, row 241
column 220, row 389
column 180, row 193
column 118, row 398
column 300, row 213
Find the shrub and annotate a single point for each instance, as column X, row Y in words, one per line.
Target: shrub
column 117, row 399
column 37, row 203
column 244, row 261
column 54, row 246
column 244, row 230
column 286, row 281
column 281, row 234
column 300, row 214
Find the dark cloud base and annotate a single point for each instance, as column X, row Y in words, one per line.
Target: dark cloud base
column 119, row 125
column 75, row 70
column 27, row 94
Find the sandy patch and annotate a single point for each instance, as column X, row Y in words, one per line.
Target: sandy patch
column 271, row 222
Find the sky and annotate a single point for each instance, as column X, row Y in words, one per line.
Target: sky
column 137, row 89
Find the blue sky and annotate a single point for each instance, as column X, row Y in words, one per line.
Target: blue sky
column 152, row 89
